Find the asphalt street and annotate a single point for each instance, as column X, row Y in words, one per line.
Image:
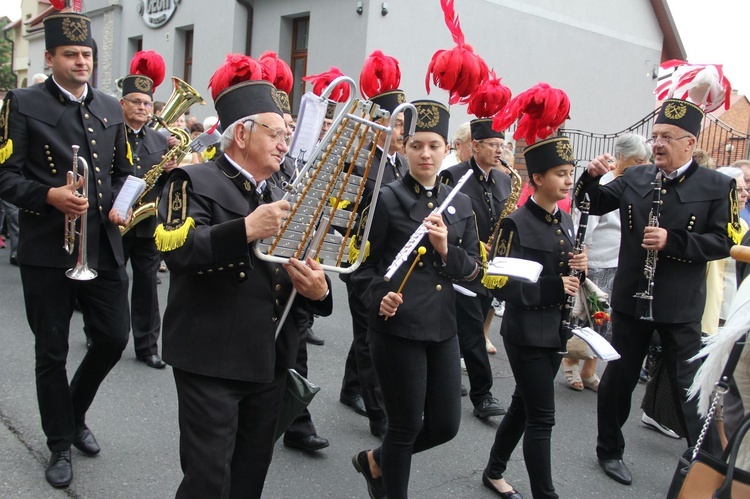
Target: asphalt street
column 134, row 418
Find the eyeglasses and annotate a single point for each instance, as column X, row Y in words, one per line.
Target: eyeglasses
column 139, row 103
column 664, row 141
column 279, row 135
column 740, row 190
column 492, row 145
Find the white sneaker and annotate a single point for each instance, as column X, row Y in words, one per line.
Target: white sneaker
column 463, row 365
column 651, row 423
column 500, row 310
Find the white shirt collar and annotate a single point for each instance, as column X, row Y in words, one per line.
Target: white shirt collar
column 258, row 187
column 678, row 171
column 391, row 157
column 71, row 96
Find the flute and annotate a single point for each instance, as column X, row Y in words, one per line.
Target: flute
column 418, row 234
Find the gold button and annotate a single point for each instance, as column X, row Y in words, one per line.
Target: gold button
column 429, row 194
column 95, row 156
column 241, row 264
column 562, row 253
column 52, row 165
column 276, row 272
column 276, row 301
column 242, row 276
column 91, row 130
column 138, row 167
column 562, row 264
column 231, row 265
column 558, row 232
column 93, row 142
column 100, row 195
column 86, row 115
column 54, row 171
column 46, row 146
column 200, row 272
column 221, row 269
column 96, row 168
column 663, row 191
column 438, row 287
column 430, row 205
column 692, row 218
column 100, row 208
column 99, row 181
column 277, row 287
column 561, row 242
column 421, row 264
column 556, row 221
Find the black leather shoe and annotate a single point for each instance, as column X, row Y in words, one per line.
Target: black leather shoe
column 487, row 408
column 310, row 443
column 14, row 260
column 464, row 391
column 378, row 427
column 84, row 441
column 616, row 470
column 375, row 486
column 59, row 472
column 152, row 361
column 505, row 495
column 313, row 339
column 355, row 403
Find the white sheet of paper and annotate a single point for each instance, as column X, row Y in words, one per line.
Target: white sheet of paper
column 598, row 344
column 525, row 270
column 130, row 191
column 312, row 112
column 463, row 290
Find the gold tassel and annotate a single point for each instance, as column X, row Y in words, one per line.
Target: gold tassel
column 483, row 254
column 734, row 232
column 170, row 239
column 129, row 152
column 354, row 250
column 494, row 281
column 209, row 153
column 6, row 150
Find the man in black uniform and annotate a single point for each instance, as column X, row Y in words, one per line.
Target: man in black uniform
column 488, row 189
column 224, row 303
column 358, row 370
column 38, row 126
column 697, row 210
column 147, row 148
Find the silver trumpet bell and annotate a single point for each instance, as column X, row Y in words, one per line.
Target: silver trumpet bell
column 81, row 272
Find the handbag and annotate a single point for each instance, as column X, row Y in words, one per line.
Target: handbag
column 298, row 393
column 698, row 473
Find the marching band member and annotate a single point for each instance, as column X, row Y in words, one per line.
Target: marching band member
column 698, row 213
column 38, row 126
column 412, row 333
column 224, row 304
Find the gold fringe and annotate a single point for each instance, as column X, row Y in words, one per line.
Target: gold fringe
column 170, row 239
column 6, row 151
column 354, row 250
column 128, row 152
column 734, row 233
column 209, row 153
column 483, row 254
column 494, row 281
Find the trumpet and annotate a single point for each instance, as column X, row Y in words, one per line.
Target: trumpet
column 81, row 272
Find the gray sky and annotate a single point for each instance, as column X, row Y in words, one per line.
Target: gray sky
column 712, row 32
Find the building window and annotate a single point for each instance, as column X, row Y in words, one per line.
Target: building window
column 188, row 68
column 300, row 31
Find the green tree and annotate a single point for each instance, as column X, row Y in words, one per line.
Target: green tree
column 7, row 77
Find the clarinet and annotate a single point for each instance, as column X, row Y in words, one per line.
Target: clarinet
column 566, row 329
column 646, row 297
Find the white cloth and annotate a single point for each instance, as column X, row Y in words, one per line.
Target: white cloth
column 449, row 161
column 603, row 235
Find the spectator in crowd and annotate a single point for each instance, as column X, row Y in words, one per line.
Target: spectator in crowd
column 460, row 147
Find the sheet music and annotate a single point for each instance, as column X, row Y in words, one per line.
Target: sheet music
column 312, row 112
column 130, row 191
column 598, row 344
column 517, row 268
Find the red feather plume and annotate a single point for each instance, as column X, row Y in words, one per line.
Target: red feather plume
column 58, row 4
column 489, row 98
column 148, row 63
column 277, row 71
column 540, row 110
column 236, row 69
column 380, row 73
column 458, row 70
column 321, row 81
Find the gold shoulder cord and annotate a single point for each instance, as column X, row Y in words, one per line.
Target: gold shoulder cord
column 173, row 234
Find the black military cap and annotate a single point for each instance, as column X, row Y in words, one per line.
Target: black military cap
column 482, row 129
column 681, row 113
column 547, row 154
column 137, row 83
column 246, row 99
column 432, row 116
column 390, row 100
column 69, row 28
column 286, row 108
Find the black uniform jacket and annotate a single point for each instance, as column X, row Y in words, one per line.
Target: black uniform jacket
column 224, row 303
column 695, row 210
column 148, row 147
column 533, row 311
column 428, row 312
column 43, row 124
column 391, row 172
column 488, row 198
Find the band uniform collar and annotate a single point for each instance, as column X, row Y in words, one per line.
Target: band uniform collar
column 541, row 213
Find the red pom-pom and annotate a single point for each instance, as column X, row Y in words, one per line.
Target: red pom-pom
column 321, row 81
column 490, row 98
column 236, row 69
column 58, row 4
column 541, row 110
column 148, row 63
column 458, row 70
column 380, row 73
column 277, row 71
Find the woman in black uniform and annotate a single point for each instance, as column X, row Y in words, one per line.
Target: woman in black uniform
column 531, row 327
column 412, row 334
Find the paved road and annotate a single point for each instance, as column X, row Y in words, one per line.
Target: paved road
column 135, row 420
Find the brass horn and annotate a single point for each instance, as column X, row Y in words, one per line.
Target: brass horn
column 81, row 272
column 183, row 96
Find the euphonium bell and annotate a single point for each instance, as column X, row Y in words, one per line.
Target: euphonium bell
column 183, row 96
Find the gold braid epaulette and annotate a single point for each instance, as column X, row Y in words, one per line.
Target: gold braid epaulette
column 734, row 227
column 6, row 144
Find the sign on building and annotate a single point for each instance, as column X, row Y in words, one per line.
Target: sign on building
column 157, row 13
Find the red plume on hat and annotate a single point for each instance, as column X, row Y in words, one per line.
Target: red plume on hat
column 277, row 71
column 236, row 69
column 148, row 63
column 58, row 4
column 539, row 111
column 489, row 98
column 321, row 81
column 702, row 84
column 380, row 73
column 458, row 70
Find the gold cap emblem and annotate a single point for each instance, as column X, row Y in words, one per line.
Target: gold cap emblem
column 675, row 111
column 429, row 116
column 142, row 84
column 565, row 150
column 75, row 30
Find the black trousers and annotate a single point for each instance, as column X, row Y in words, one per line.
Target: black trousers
column 302, row 426
column 531, row 415
column 421, row 383
column 470, row 315
column 366, row 380
column 631, row 337
column 50, row 297
column 144, row 300
column 226, row 434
